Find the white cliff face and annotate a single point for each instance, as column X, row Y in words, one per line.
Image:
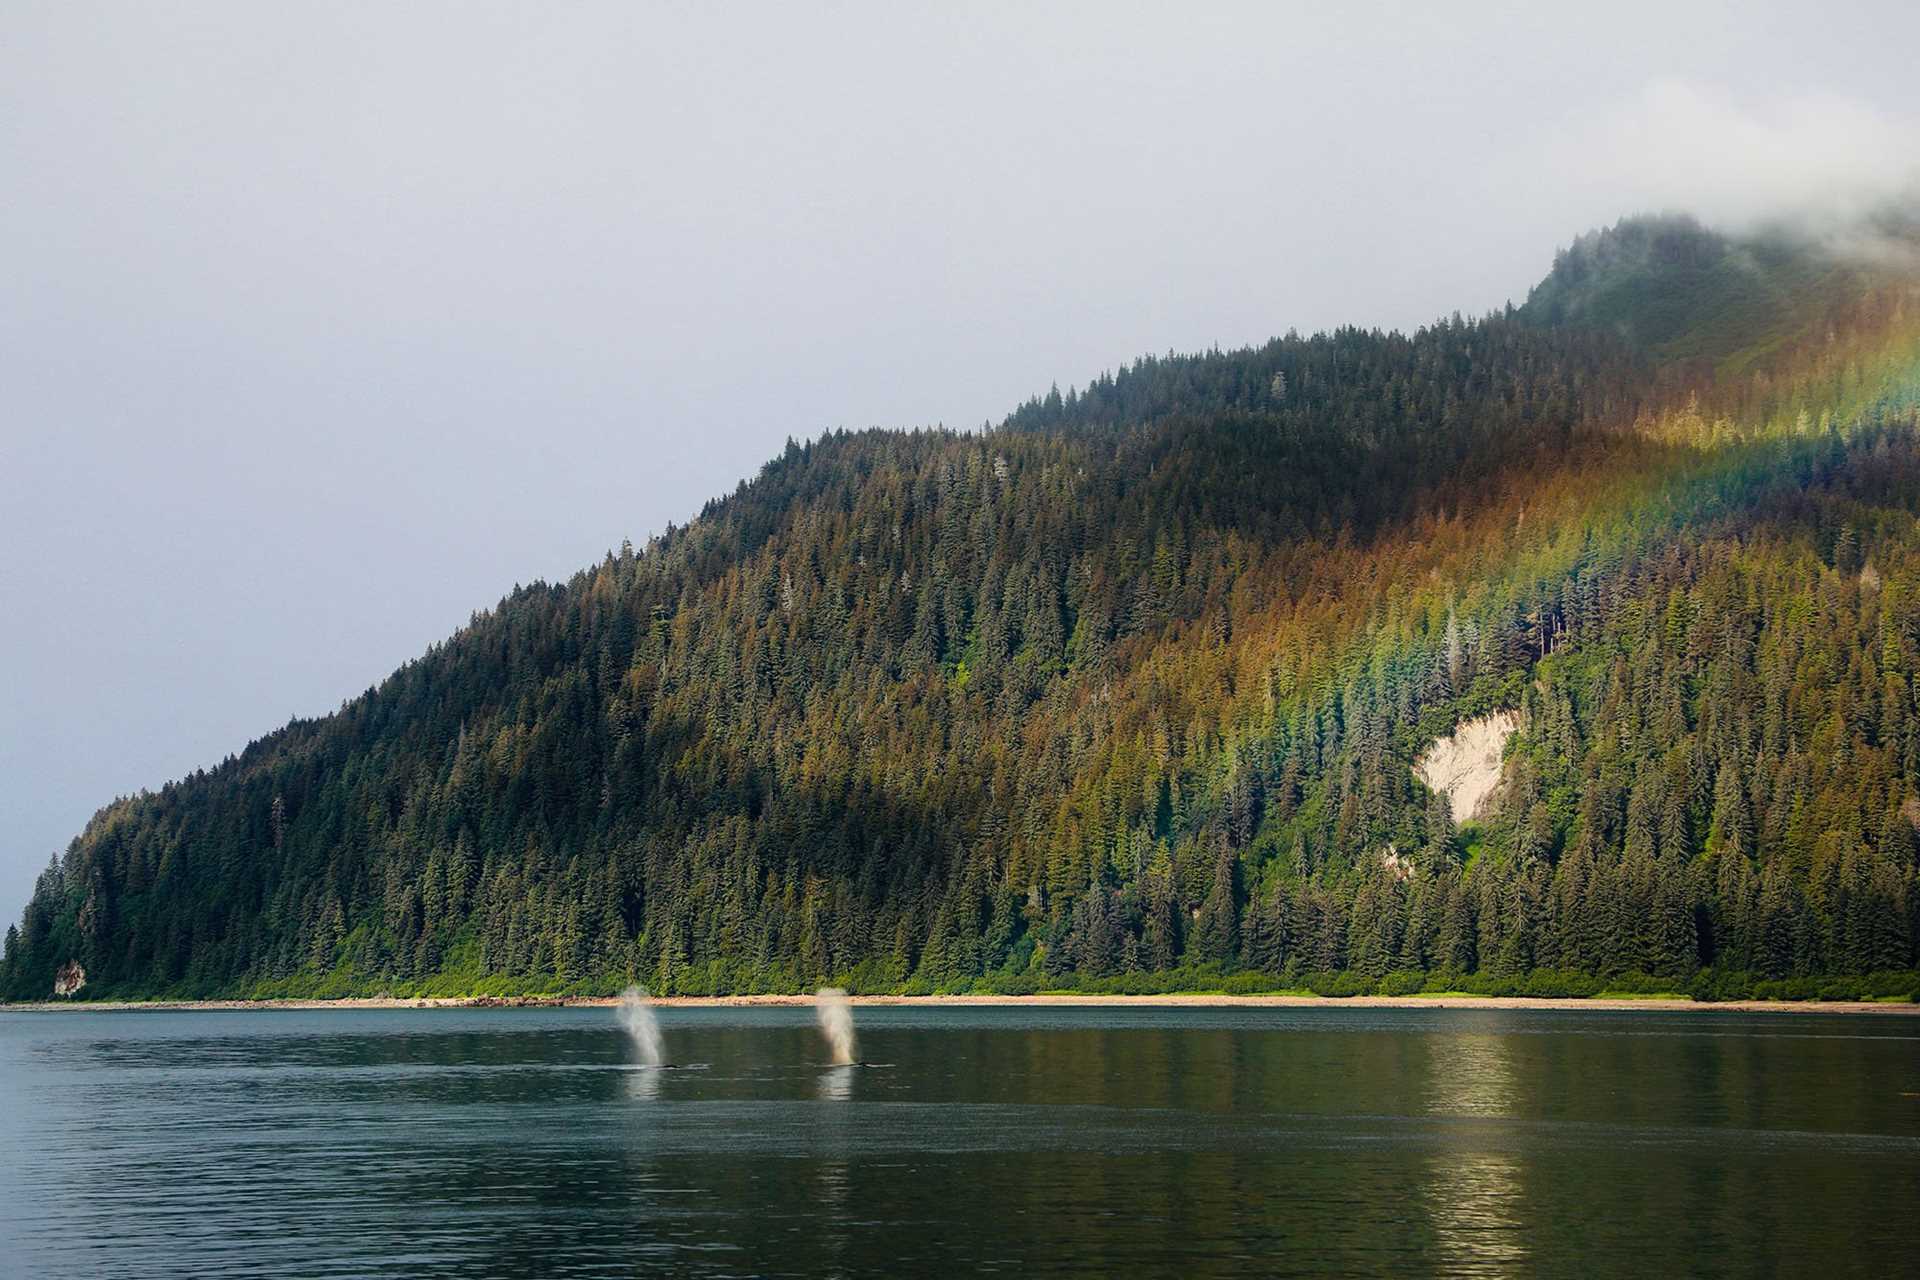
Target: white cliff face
column 1466, row 763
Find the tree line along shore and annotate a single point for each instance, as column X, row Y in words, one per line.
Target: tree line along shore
column 1067, row 1000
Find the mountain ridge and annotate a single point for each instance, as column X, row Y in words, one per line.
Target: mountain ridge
column 1131, row 686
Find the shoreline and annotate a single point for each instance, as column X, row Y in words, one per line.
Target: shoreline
column 1063, row 1000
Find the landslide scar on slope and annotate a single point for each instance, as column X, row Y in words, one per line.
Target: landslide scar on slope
column 1466, row 763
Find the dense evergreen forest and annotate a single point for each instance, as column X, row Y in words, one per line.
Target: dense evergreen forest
column 1126, row 693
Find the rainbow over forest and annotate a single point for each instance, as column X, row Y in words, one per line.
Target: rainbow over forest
column 1126, row 694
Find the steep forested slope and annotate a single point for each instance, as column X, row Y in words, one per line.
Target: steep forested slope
column 1128, row 690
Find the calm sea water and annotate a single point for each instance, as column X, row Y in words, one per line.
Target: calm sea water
column 1025, row 1141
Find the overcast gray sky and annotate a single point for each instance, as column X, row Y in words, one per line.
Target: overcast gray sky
column 323, row 325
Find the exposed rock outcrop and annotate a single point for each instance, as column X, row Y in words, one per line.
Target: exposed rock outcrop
column 69, row 978
column 1466, row 763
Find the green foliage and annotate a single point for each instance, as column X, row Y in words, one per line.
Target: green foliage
column 1342, row 985
column 1684, row 294
column 1403, row 982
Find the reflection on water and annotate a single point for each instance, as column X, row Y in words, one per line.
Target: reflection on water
column 1472, row 1076
column 834, row 1212
column 1473, row 1196
column 1113, row 1141
column 643, row 1085
column 836, row 1084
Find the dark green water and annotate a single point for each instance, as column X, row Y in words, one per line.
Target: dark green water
column 1021, row 1141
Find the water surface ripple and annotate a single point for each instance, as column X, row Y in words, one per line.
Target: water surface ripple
column 1034, row 1141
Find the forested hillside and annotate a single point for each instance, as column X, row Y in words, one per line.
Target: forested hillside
column 1126, row 693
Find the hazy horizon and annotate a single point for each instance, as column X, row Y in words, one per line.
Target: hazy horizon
column 326, row 325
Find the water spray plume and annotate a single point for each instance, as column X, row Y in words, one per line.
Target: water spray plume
column 836, row 1024
column 636, row 1015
